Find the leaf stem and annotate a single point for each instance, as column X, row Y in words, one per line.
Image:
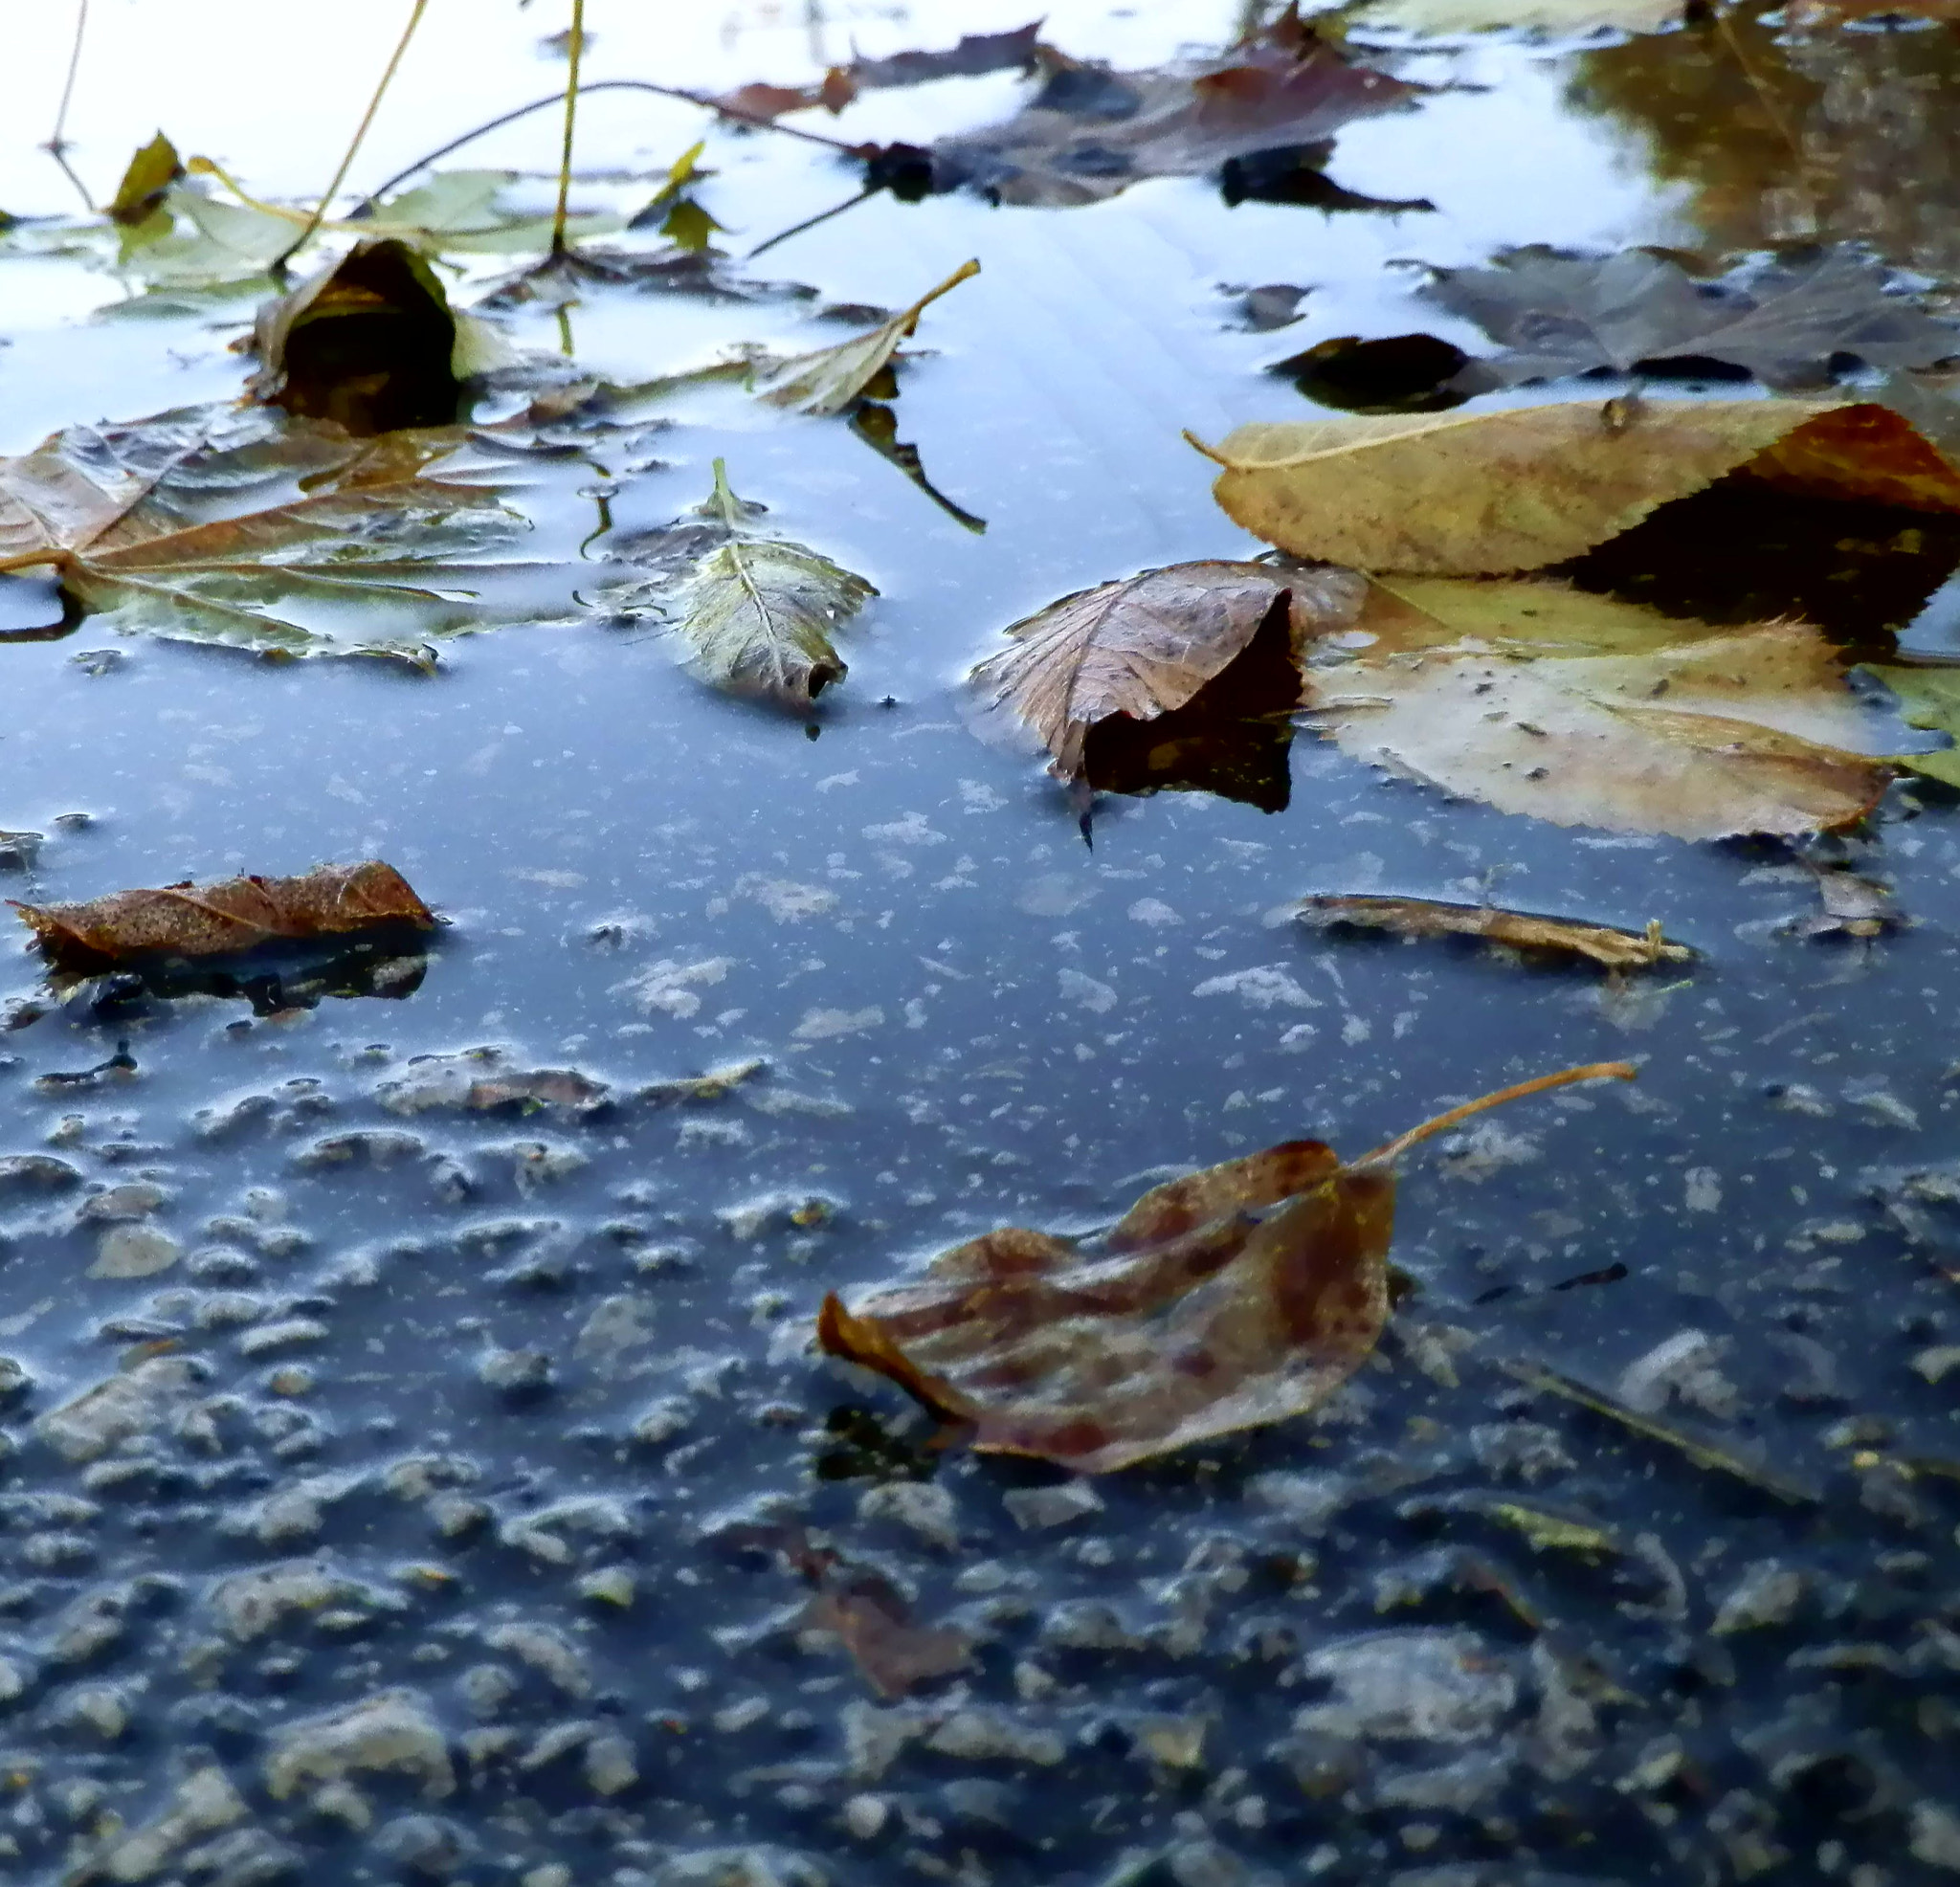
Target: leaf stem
column 57, row 141
column 1593, row 1070
column 575, row 53
column 340, row 176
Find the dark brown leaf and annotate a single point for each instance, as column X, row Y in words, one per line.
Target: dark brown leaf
column 217, row 919
column 1243, row 1294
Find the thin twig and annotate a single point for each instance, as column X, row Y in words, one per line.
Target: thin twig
column 56, row 142
column 340, row 176
column 755, row 121
column 575, row 53
column 1593, row 1071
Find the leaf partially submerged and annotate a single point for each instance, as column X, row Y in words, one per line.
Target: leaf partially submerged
column 1241, row 1296
column 1441, row 18
column 219, row 920
column 1581, row 710
column 1492, row 492
column 1556, row 313
column 831, row 379
column 1519, row 930
column 756, row 611
column 1928, row 698
column 143, row 526
column 976, row 54
column 1140, row 646
column 151, row 171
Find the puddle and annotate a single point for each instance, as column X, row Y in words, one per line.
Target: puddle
column 393, row 1487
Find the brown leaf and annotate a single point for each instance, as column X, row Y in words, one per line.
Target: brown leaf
column 1140, row 646
column 215, row 920
column 1243, row 1294
column 1525, row 486
column 1422, row 917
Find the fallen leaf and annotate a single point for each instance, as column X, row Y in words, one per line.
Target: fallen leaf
column 151, row 171
column 1928, row 698
column 1582, row 710
column 1557, row 313
column 1241, row 1296
column 1447, row 19
column 673, row 209
column 1850, row 905
column 1490, row 493
column 369, row 343
column 123, row 514
column 219, row 920
column 478, row 1081
column 977, row 54
column 831, row 379
column 1422, row 917
column 756, row 611
column 1091, row 131
column 1271, row 305
column 1140, row 646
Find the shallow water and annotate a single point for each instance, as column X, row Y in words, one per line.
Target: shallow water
column 968, row 1018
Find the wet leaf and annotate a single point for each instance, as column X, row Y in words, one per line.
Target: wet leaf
column 369, row 343
column 1850, row 905
column 1490, row 493
column 480, row 1081
column 1241, row 1296
column 977, row 54
column 219, row 920
column 877, row 426
column 1928, row 698
column 1447, row 19
column 831, row 379
column 151, row 171
column 756, row 611
column 673, row 209
column 143, row 523
column 1582, row 710
column 1422, row 917
column 1091, row 131
column 1140, row 646
column 1556, row 313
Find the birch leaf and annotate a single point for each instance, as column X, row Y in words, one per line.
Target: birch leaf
column 1244, row 1295
column 756, row 611
column 831, row 379
column 1492, row 492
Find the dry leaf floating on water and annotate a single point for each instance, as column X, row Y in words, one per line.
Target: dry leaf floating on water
column 1422, row 917
column 1244, row 1295
column 232, row 915
column 1492, row 492
column 756, row 611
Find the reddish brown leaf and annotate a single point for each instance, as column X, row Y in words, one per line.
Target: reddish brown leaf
column 215, row 920
column 1243, row 1294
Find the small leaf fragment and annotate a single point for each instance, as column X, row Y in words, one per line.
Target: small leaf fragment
column 1422, row 917
column 219, row 920
column 829, row 379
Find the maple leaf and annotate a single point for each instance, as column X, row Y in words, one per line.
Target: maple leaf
column 1557, row 313
column 1244, row 1295
column 141, row 522
column 219, row 920
column 757, row 611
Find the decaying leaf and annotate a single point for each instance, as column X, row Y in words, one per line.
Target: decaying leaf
column 369, row 343
column 151, row 171
column 1140, row 646
column 1447, row 19
column 219, row 920
column 976, row 53
column 1928, row 698
column 1422, row 917
column 481, row 1082
column 148, row 527
column 1582, row 710
column 1849, row 905
column 1091, row 132
column 756, row 611
column 1241, row 1296
column 1492, row 492
column 1556, row 313
column 832, row 379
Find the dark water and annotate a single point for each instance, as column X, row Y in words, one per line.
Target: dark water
column 496, row 1405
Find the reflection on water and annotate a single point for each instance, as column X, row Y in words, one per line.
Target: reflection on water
column 1794, row 137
